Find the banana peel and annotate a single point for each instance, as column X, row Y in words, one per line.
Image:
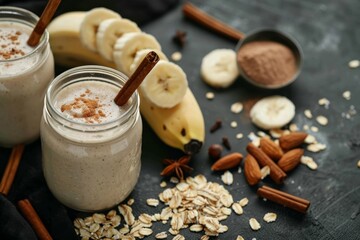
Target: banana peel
column 181, row 127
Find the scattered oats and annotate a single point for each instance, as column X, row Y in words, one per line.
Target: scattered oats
column 237, row 208
column 131, row 201
column 176, row 56
column 239, row 238
column 204, row 237
column 79, row 223
column 227, row 178
column 84, row 233
column 256, row 142
column 309, row 162
column 99, row 218
column 145, row 218
column 233, row 124
column 286, row 132
column 262, row 134
column 115, row 220
column 358, row 164
column 236, row 107
column 322, row 120
column 210, row 95
column 88, row 221
column 270, row 217
column 276, row 133
column 182, row 186
column 324, row 102
column 126, row 211
column 222, row 228
column 196, row 228
column 243, row 202
column 152, row 202
column 314, row 129
column 161, row 235
column 173, row 232
column 179, row 237
column 306, row 127
column 347, row 95
column 145, row 231
column 293, row 127
column 310, row 139
column 265, row 171
column 124, row 230
column 254, row 224
column 308, row 113
column 239, row 136
column 163, row 184
column 174, row 180
column 175, row 201
column 226, row 211
column 252, row 136
column 354, row 63
column 316, row 147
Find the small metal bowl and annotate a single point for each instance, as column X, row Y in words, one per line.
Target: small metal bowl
column 275, row 36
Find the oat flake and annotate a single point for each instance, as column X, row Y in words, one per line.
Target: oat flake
column 270, row 217
column 176, row 56
column 316, row 147
column 227, row 178
column 239, row 136
column 354, row 63
column 358, row 164
column 324, row 102
column 293, row 127
column 347, row 95
column 236, row 107
column 254, row 224
column 314, row 129
column 265, row 171
column 322, row 120
column 210, row 95
column 239, row 238
column 308, row 113
column 233, row 124
column 310, row 139
column 243, row 202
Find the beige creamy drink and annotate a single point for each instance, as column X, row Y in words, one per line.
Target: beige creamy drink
column 91, row 147
column 25, row 73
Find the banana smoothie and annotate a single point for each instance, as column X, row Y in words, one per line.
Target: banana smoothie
column 25, row 73
column 91, row 146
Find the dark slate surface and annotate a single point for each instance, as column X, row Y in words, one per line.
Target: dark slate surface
column 329, row 35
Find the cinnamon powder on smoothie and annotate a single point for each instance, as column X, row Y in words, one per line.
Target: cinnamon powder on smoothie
column 267, row 62
column 84, row 107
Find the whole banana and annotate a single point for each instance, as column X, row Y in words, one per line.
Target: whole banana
column 181, row 126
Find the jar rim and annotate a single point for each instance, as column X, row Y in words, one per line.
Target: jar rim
column 90, row 70
column 33, row 19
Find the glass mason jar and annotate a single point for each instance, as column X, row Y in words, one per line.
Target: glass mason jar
column 90, row 166
column 25, row 73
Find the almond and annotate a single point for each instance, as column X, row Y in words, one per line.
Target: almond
column 227, row 162
column 292, row 140
column 271, row 148
column 290, row 159
column 252, row 170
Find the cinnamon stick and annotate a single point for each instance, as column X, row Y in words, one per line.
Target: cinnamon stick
column 136, row 78
column 283, row 198
column 199, row 16
column 33, row 218
column 276, row 173
column 44, row 20
column 11, row 169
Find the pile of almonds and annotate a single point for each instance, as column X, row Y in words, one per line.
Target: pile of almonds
column 275, row 158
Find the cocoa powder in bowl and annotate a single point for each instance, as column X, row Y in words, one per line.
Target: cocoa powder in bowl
column 269, row 59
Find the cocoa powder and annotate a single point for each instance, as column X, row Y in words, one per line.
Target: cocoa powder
column 267, row 62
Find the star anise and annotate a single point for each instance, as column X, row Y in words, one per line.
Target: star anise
column 176, row 166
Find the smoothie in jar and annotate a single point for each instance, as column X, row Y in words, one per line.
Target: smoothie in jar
column 25, row 73
column 91, row 146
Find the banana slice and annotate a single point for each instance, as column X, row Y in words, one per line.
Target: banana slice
column 109, row 30
column 165, row 85
column 219, row 68
column 90, row 24
column 140, row 55
column 126, row 47
column 272, row 112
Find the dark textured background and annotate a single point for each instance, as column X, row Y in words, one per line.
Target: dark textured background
column 329, row 34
